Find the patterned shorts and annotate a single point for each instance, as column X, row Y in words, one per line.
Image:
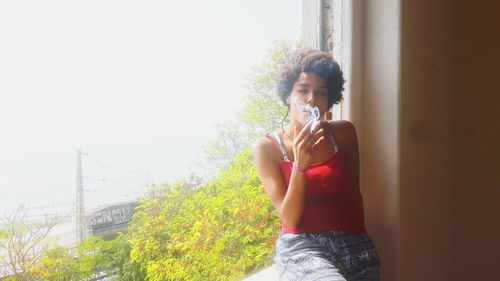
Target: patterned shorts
column 334, row 256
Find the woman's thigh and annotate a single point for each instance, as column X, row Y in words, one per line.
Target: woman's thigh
column 357, row 256
column 310, row 268
column 326, row 256
column 300, row 258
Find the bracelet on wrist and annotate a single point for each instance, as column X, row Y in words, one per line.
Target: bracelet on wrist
column 296, row 168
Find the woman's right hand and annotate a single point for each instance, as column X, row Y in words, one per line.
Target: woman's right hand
column 305, row 141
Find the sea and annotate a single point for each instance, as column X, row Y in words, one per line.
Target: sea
column 42, row 178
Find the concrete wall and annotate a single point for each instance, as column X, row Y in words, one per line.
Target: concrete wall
column 425, row 108
column 426, row 151
column 310, row 28
column 379, row 129
column 476, row 149
column 430, row 141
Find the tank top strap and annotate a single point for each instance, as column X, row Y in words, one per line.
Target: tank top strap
column 280, row 144
column 330, row 134
column 332, row 138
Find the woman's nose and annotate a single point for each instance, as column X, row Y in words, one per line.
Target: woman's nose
column 310, row 99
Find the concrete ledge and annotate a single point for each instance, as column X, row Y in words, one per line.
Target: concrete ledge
column 268, row 274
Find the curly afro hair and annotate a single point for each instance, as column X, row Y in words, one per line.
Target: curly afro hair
column 311, row 60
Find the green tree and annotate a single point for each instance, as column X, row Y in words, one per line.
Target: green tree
column 225, row 228
column 263, row 112
column 87, row 260
column 93, row 258
column 120, row 263
column 23, row 242
column 221, row 231
column 58, row 263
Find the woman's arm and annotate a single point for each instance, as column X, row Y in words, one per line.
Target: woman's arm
column 288, row 201
column 289, row 204
column 349, row 143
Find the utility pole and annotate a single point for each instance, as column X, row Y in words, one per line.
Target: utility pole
column 80, row 214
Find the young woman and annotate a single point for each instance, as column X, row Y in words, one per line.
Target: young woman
column 310, row 172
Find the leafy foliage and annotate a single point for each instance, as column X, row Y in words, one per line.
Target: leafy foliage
column 23, row 242
column 226, row 228
column 263, row 111
column 93, row 258
column 221, row 231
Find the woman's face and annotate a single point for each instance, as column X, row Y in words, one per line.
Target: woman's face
column 310, row 88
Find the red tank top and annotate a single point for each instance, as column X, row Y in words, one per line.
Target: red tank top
column 329, row 203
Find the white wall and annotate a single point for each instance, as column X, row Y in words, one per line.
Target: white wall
column 378, row 128
column 430, row 134
column 476, row 148
column 425, row 101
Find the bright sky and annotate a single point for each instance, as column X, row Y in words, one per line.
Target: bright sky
column 138, row 85
column 79, row 71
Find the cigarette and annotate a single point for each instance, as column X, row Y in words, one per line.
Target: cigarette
column 328, row 115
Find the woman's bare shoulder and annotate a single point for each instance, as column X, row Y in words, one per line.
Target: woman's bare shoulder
column 345, row 132
column 265, row 147
column 342, row 125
